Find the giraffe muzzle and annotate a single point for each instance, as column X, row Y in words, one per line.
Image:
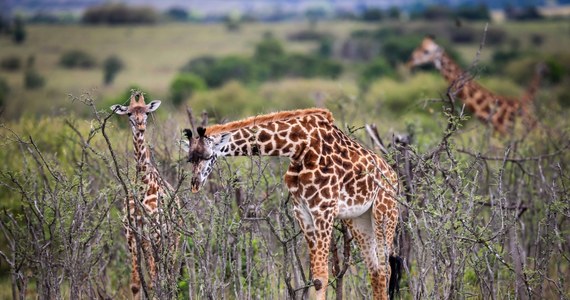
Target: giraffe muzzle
column 195, row 185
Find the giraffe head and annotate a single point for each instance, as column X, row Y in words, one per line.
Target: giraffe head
column 427, row 52
column 137, row 110
column 203, row 152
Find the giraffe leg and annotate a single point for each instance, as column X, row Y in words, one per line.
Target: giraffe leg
column 135, row 279
column 362, row 229
column 317, row 229
column 384, row 219
column 149, row 258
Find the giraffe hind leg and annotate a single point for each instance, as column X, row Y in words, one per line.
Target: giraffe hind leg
column 362, row 230
column 385, row 218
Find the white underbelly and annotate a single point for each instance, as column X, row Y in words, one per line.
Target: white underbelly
column 353, row 211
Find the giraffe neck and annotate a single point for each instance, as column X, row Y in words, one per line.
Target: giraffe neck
column 530, row 92
column 145, row 168
column 284, row 138
column 486, row 106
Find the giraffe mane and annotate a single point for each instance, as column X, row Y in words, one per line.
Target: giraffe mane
column 262, row 119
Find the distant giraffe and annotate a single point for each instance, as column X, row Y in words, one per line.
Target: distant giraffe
column 146, row 226
column 500, row 111
column 330, row 176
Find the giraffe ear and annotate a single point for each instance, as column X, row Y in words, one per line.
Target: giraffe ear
column 188, row 133
column 201, row 131
column 119, row 109
column 153, row 105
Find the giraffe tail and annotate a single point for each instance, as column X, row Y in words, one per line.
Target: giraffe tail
column 396, row 264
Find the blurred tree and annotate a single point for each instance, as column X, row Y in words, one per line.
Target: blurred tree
column 77, row 59
column 379, row 67
column 111, row 66
column 116, row 13
column 4, row 25
column 11, row 63
column 326, row 47
column 372, row 15
column 233, row 21
column 33, row 80
column 268, row 49
column 473, row 12
column 199, row 66
column 184, row 86
column 177, row 14
column 437, row 12
column 4, row 91
column 19, row 31
column 394, row 13
column 315, row 14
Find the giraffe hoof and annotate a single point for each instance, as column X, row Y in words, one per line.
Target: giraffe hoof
column 318, row 284
column 134, row 289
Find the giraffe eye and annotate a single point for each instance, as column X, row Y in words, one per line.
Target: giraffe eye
column 129, row 114
column 426, row 51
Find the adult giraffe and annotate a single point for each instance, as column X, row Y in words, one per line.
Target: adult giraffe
column 145, row 221
column 499, row 110
column 330, row 176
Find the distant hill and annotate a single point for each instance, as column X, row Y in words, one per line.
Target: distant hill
column 224, row 6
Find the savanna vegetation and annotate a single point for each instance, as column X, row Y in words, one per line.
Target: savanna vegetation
column 482, row 215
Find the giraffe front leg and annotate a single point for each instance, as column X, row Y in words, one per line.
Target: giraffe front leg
column 317, row 229
column 135, row 279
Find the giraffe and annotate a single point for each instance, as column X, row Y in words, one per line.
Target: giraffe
column 330, row 176
column 145, row 226
column 500, row 111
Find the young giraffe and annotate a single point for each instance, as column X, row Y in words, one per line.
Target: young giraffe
column 487, row 106
column 145, row 226
column 330, row 176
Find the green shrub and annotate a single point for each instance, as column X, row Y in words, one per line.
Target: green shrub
column 111, row 66
column 232, row 68
column 77, row 59
column 301, row 65
column 268, row 50
column 387, row 95
column 199, row 66
column 379, row 67
column 325, row 47
column 398, row 49
column 11, row 63
column 231, row 101
column 33, row 80
column 184, row 86
column 295, row 93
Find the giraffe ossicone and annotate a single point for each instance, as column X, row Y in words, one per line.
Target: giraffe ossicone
column 330, row 177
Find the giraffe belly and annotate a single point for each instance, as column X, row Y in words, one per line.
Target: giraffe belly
column 349, row 210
